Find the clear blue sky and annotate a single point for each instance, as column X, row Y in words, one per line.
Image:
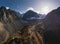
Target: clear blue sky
column 23, row 5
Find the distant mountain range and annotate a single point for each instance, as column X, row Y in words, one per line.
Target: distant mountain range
column 30, row 14
column 31, row 17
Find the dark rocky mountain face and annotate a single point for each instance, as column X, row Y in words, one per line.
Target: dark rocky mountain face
column 52, row 20
column 32, row 17
column 52, row 27
column 29, row 14
column 10, row 23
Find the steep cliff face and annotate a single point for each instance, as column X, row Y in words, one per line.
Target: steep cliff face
column 10, row 19
column 52, row 27
column 10, row 22
column 52, row 20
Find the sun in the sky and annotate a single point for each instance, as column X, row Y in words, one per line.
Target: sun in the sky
column 45, row 10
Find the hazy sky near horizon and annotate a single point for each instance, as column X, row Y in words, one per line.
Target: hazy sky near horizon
column 41, row 6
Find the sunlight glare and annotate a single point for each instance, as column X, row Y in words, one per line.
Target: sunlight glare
column 45, row 10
